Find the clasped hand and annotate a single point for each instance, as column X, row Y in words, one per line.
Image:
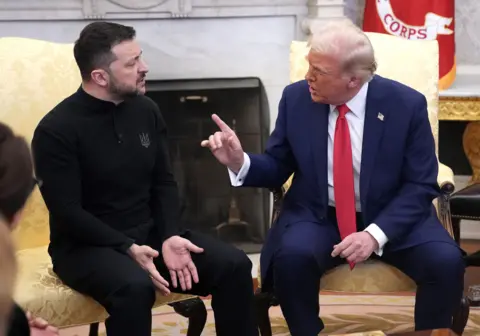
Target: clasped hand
column 356, row 247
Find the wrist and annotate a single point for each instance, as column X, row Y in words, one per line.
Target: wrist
column 374, row 241
column 168, row 238
column 132, row 250
column 236, row 166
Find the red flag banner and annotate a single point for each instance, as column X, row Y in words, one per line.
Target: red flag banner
column 418, row 20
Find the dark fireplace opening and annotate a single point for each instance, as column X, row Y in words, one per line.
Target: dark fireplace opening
column 450, row 146
column 209, row 203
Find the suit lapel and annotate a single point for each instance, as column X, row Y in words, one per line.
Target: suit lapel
column 375, row 119
column 318, row 125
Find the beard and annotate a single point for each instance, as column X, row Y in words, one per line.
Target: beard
column 124, row 91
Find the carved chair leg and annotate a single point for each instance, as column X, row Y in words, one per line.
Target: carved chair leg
column 193, row 309
column 456, row 229
column 263, row 302
column 460, row 318
column 93, row 329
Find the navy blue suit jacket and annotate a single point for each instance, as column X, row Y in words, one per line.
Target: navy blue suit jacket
column 399, row 167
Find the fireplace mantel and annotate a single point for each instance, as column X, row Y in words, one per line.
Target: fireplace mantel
column 12, row 10
column 305, row 11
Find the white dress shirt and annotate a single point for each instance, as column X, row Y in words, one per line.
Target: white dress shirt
column 355, row 119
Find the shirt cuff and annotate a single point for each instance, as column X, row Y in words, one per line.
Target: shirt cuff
column 379, row 236
column 237, row 179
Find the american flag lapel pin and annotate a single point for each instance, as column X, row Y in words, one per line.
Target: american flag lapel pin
column 380, row 116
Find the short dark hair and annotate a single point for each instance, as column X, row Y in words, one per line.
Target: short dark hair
column 16, row 172
column 93, row 49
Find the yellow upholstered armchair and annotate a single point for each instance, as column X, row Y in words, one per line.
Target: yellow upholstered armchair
column 35, row 76
column 420, row 71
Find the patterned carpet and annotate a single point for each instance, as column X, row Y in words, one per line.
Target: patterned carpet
column 340, row 313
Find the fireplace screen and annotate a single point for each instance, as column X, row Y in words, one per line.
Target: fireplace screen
column 209, row 204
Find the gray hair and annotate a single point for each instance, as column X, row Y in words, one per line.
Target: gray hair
column 343, row 39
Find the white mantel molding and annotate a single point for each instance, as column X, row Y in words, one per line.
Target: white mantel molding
column 33, row 10
column 320, row 11
column 306, row 11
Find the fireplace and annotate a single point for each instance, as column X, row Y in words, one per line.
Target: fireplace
column 208, row 202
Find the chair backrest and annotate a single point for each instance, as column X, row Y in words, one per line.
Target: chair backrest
column 35, row 76
column 411, row 62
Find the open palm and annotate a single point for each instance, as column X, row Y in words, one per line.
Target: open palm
column 144, row 256
column 176, row 255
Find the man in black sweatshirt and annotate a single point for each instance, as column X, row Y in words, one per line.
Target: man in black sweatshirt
column 101, row 157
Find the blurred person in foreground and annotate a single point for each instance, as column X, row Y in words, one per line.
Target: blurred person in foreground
column 8, row 270
column 102, row 158
column 16, row 185
column 365, row 175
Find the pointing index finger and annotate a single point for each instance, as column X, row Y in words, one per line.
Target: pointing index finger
column 221, row 124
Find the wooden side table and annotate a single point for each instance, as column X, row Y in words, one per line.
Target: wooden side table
column 461, row 106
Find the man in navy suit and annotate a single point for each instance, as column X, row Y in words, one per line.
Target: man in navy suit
column 365, row 175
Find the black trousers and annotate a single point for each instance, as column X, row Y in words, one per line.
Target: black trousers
column 18, row 324
column 126, row 291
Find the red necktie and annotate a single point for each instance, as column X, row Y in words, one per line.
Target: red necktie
column 343, row 187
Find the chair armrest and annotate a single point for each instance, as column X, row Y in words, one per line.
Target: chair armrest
column 447, row 187
column 445, row 179
column 278, row 194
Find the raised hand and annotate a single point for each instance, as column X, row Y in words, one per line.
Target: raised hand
column 225, row 145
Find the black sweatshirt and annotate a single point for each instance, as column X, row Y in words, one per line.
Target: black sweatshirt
column 105, row 172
